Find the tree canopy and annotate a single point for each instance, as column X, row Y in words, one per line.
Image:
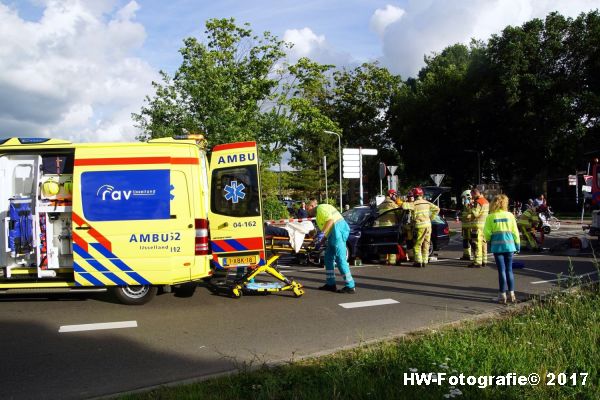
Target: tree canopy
column 526, row 103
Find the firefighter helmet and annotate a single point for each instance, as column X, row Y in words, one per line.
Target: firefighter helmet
column 418, row 191
column 68, row 185
column 391, row 192
column 466, row 194
column 410, row 193
column 50, row 188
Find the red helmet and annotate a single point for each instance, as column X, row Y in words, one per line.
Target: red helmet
column 418, row 191
column 391, row 192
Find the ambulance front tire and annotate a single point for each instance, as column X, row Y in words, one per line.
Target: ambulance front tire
column 135, row 295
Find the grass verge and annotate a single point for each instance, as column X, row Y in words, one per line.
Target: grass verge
column 559, row 335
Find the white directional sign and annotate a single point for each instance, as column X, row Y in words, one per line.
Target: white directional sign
column 350, row 158
column 437, row 178
column 586, row 188
column 572, row 180
column 364, row 152
column 351, row 163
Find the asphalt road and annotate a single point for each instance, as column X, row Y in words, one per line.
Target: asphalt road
column 173, row 339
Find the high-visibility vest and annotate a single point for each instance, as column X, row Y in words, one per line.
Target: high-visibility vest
column 528, row 219
column 479, row 212
column 424, row 212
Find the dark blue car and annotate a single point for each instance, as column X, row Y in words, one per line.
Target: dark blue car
column 371, row 233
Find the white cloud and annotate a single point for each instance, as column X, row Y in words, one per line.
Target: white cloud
column 309, row 44
column 431, row 25
column 384, row 17
column 72, row 74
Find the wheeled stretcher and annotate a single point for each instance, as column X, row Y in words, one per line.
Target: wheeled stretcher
column 293, row 239
column 297, row 240
column 244, row 282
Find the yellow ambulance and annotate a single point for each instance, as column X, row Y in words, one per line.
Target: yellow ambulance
column 129, row 217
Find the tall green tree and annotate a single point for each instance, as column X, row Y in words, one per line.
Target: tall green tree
column 224, row 88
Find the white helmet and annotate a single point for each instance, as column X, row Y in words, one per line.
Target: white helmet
column 466, row 194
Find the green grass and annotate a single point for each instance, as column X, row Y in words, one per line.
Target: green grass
column 561, row 334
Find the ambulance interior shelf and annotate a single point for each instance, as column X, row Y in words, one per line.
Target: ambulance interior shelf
column 37, row 214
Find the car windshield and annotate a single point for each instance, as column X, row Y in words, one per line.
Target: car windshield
column 357, row 215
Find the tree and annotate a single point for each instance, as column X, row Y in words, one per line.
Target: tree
column 224, row 89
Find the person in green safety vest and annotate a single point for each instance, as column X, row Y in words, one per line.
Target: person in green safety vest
column 336, row 230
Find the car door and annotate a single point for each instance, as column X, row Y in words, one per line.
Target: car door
column 382, row 234
column 235, row 215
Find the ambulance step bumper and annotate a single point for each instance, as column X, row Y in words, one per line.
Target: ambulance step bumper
column 51, row 290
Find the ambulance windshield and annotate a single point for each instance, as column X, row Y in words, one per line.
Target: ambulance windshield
column 235, row 191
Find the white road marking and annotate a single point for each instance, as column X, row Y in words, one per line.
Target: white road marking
column 96, row 327
column 537, row 270
column 564, row 278
column 351, row 267
column 370, row 303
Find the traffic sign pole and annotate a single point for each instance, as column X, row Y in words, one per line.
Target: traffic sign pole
column 360, row 174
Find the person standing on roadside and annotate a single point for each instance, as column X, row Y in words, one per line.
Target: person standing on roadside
column 479, row 212
column 302, row 213
column 424, row 212
column 388, row 219
column 409, row 227
column 336, row 230
column 500, row 229
column 466, row 224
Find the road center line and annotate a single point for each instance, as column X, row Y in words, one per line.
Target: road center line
column 370, row 303
column 97, row 327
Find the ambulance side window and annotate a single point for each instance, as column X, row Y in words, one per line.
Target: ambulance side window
column 235, row 191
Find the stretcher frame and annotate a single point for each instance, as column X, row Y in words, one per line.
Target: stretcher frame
column 239, row 286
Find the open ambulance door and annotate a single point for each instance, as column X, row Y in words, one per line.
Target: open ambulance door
column 235, row 215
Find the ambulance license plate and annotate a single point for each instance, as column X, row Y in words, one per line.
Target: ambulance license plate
column 239, row 260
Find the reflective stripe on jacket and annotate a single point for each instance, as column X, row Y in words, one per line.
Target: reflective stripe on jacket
column 424, row 212
column 501, row 232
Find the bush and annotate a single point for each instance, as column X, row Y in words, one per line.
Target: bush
column 274, row 209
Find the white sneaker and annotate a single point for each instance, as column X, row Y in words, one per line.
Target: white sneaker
column 502, row 298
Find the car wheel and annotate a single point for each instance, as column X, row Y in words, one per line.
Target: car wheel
column 135, row 295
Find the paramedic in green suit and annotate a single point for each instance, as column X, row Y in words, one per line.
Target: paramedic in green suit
column 335, row 228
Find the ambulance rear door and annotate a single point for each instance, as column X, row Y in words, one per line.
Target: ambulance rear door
column 235, row 215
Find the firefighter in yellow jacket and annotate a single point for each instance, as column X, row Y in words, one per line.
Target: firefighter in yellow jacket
column 528, row 222
column 387, row 220
column 408, row 227
column 479, row 212
column 466, row 224
column 423, row 213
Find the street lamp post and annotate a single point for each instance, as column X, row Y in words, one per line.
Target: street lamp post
column 340, row 164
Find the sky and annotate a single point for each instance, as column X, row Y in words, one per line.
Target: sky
column 77, row 69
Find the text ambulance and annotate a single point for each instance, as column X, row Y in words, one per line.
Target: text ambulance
column 129, row 217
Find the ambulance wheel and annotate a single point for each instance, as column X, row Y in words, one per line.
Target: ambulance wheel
column 135, row 295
